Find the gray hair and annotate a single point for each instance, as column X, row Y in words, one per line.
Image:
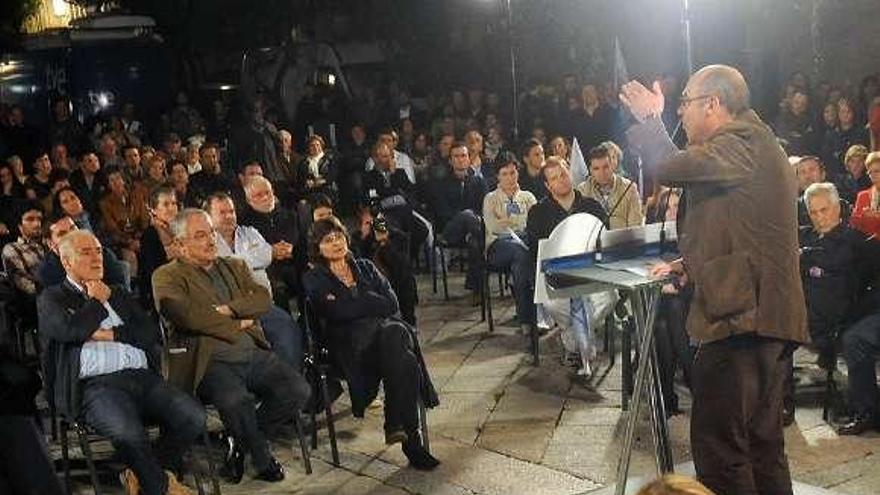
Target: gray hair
column 67, row 244
column 253, row 181
column 728, row 84
column 179, row 225
column 820, row 188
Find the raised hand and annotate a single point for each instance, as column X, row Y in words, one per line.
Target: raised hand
column 641, row 101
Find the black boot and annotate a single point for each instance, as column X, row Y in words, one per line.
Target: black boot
column 417, row 455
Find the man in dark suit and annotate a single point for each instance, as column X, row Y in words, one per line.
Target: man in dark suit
column 456, row 202
column 89, row 183
column 104, row 358
column 213, row 305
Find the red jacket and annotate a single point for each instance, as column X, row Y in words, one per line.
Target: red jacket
column 870, row 225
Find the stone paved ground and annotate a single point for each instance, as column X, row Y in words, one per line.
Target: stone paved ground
column 506, row 427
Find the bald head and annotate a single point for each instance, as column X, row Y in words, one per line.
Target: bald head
column 725, row 82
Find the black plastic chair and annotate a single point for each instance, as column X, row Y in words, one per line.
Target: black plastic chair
column 320, row 360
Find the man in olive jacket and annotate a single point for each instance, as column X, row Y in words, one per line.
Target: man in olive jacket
column 739, row 247
column 218, row 349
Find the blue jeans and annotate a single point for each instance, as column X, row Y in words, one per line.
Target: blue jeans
column 512, row 256
column 118, row 405
column 285, row 336
column 464, row 229
column 861, row 347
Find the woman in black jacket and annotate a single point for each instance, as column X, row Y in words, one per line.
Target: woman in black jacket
column 157, row 247
column 367, row 338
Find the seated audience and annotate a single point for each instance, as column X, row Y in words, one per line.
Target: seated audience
column 246, row 243
column 210, row 178
column 157, row 243
column 22, row 259
column 39, row 185
column 386, row 246
column 390, row 188
column 866, row 212
column 810, row 170
column 178, row 177
column 618, row 195
column 505, row 211
column 89, row 183
column 367, row 338
column 123, row 219
column 154, row 176
column 322, row 208
column 51, row 271
column 317, row 170
column 279, row 226
column 456, row 202
column 105, row 363
column 564, row 200
column 854, row 177
column 531, row 179
column 217, row 301
column 389, row 137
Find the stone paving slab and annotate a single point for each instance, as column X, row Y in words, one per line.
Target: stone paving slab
column 507, row 427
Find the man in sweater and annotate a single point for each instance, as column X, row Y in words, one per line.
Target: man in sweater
column 505, row 211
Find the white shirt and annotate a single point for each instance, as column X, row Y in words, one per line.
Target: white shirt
column 251, row 247
column 101, row 357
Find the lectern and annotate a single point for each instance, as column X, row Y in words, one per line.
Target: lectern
column 580, row 257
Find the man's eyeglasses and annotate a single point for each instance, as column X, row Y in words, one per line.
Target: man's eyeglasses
column 687, row 100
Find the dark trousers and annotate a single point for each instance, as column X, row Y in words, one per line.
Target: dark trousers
column 118, row 405
column 861, row 346
column 736, row 423
column 285, row 336
column 673, row 346
column 384, row 352
column 25, row 466
column 236, row 388
column 512, row 256
column 463, row 229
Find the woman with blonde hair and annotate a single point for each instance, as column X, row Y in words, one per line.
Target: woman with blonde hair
column 675, row 484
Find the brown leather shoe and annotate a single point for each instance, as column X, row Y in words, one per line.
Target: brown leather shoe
column 130, row 482
column 175, row 487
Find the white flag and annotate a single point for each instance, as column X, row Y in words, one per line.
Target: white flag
column 579, row 171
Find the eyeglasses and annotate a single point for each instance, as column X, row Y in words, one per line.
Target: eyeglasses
column 687, row 100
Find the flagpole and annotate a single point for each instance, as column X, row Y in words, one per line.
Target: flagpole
column 512, row 71
column 686, row 32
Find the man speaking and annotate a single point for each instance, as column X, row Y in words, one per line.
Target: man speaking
column 738, row 241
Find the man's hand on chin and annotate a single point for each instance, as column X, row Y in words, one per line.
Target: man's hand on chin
column 97, row 289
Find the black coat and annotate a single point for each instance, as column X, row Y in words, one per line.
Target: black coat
column 547, row 214
column 450, row 195
column 344, row 311
column 68, row 318
column 280, row 225
column 836, row 270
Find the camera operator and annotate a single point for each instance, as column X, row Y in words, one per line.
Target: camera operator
column 388, row 186
column 386, row 246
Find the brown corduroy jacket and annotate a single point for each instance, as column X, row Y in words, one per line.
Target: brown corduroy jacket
column 738, row 237
column 185, row 299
